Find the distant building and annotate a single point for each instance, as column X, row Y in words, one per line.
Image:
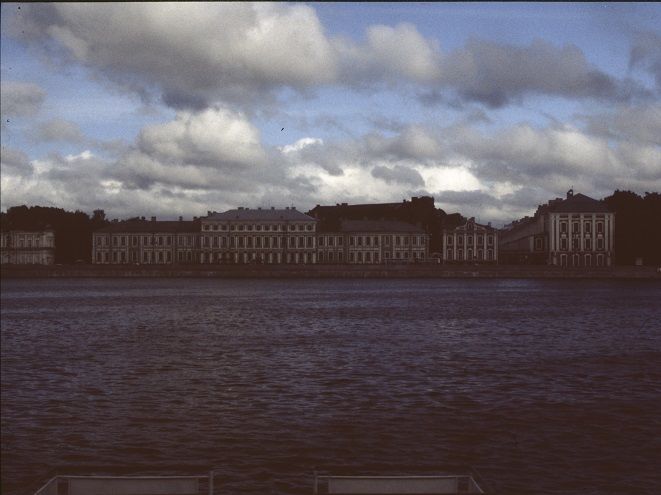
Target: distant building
column 470, row 243
column 372, row 241
column 576, row 231
column 147, row 242
column 419, row 211
column 23, row 247
column 262, row 235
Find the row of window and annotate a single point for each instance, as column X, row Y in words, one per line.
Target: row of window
column 258, row 242
column 576, row 244
column 259, row 227
column 147, row 240
column 399, row 240
column 470, row 255
column 469, row 240
column 575, row 229
column 231, row 258
column 578, row 260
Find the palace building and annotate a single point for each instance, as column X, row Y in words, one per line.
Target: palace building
column 573, row 232
column 261, row 235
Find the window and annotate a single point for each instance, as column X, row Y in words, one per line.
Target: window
column 460, row 240
column 587, row 227
column 321, row 241
column 574, row 228
column 588, row 244
column 450, row 240
column 600, row 244
column 600, row 227
column 539, row 244
column 563, row 227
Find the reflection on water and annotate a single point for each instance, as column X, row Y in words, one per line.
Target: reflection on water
column 544, row 386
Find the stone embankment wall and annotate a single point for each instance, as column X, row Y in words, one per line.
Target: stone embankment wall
column 327, row 271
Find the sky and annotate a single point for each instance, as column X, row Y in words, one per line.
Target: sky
column 176, row 109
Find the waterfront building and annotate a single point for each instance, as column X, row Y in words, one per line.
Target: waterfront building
column 576, row 231
column 419, row 211
column 369, row 242
column 147, row 242
column 27, row 247
column 261, row 235
column 470, row 243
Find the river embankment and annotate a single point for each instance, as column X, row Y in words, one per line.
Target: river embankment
column 328, row 271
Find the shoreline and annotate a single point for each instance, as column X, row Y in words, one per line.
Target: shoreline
column 326, row 271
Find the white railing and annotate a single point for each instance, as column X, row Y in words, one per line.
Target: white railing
column 383, row 485
column 127, row 485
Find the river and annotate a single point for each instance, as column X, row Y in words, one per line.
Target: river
column 544, row 386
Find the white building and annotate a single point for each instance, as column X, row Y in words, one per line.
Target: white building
column 573, row 232
column 470, row 243
column 261, row 235
column 23, row 247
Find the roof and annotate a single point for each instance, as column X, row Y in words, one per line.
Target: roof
column 379, row 226
column 139, row 226
column 578, row 203
column 472, row 224
column 261, row 214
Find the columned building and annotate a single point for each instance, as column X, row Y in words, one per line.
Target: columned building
column 261, row 235
column 573, row 232
column 22, row 247
column 147, row 242
column 470, row 243
column 373, row 241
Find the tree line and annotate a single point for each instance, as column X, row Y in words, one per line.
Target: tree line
column 637, row 227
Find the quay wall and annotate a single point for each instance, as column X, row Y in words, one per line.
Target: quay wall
column 327, row 271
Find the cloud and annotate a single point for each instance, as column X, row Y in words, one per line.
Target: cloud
column 398, row 175
column 14, row 163
column 194, row 55
column 637, row 124
column 645, row 54
column 212, row 148
column 59, row 130
column 20, row 99
column 496, row 73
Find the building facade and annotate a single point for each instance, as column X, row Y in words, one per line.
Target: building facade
column 22, row 247
column 577, row 231
column 470, row 243
column 262, row 235
column 369, row 242
column 147, row 242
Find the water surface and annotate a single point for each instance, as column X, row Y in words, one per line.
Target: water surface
column 547, row 387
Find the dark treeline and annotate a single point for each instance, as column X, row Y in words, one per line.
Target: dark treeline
column 637, row 228
column 73, row 230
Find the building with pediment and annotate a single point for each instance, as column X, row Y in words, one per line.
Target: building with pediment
column 470, row 242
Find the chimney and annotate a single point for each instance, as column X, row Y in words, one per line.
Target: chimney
column 153, row 219
column 570, row 193
column 181, row 219
column 273, row 207
column 208, row 213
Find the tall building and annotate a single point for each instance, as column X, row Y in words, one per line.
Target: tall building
column 261, row 235
column 576, row 231
column 470, row 243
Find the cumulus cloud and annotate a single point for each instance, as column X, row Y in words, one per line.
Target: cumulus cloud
column 196, row 55
column 212, row 148
column 637, row 124
column 20, row 99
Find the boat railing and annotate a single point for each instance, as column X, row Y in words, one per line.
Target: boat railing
column 386, row 485
column 128, row 485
